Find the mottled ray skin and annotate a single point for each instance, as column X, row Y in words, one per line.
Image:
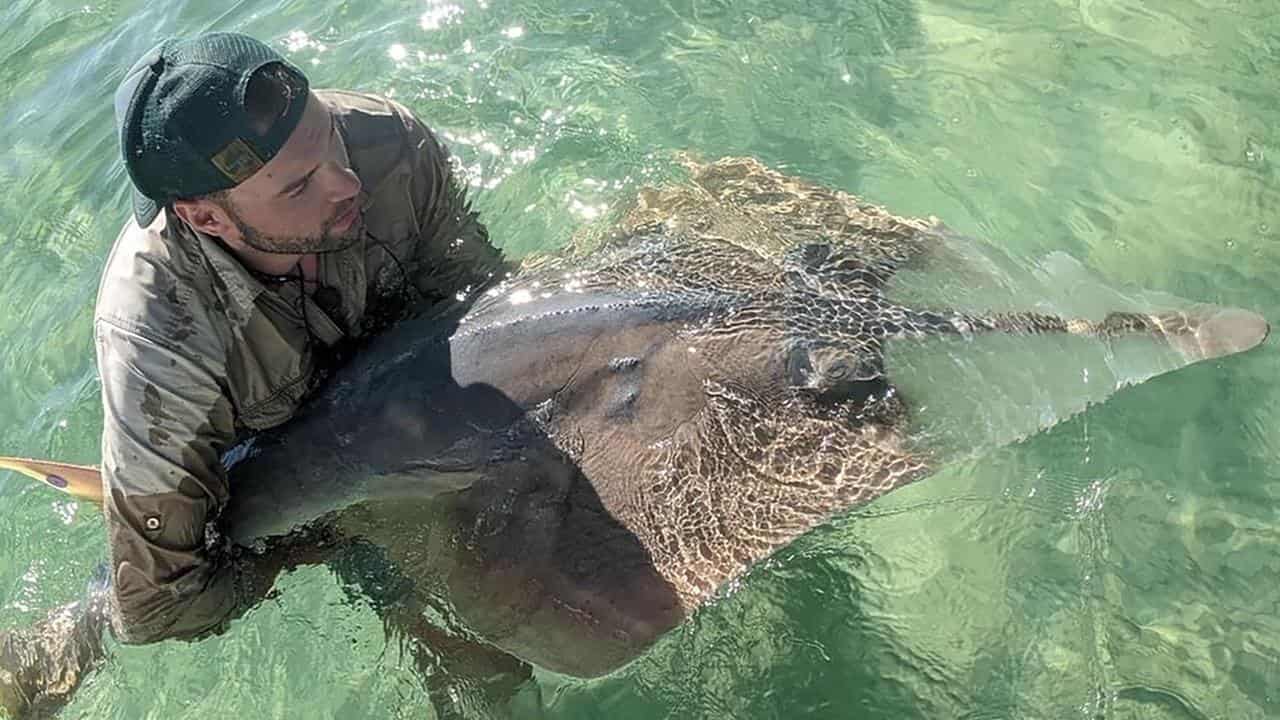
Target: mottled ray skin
column 606, row 440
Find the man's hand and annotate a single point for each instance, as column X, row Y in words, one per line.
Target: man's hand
column 13, row 700
column 41, row 666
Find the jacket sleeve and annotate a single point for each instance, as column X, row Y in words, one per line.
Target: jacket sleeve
column 453, row 254
column 166, row 420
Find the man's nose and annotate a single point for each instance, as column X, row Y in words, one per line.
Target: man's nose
column 343, row 184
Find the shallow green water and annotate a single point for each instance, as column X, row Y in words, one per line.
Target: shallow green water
column 1122, row 566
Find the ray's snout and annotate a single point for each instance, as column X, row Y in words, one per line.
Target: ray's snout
column 1220, row 332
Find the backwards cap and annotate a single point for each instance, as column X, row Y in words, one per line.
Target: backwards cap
column 184, row 129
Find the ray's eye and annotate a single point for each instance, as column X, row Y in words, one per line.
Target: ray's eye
column 835, row 376
column 837, row 370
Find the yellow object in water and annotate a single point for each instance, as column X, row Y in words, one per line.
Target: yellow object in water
column 80, row 481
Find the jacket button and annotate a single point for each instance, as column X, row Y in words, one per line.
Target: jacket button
column 153, row 523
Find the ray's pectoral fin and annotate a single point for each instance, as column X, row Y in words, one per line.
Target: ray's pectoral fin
column 420, row 481
column 751, row 475
column 465, row 678
column 838, row 269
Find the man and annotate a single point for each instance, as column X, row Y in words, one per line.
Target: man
column 274, row 227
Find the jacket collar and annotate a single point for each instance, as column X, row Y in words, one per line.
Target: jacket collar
column 237, row 288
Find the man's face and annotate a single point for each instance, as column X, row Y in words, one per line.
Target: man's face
column 306, row 199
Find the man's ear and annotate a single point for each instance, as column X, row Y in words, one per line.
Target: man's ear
column 204, row 216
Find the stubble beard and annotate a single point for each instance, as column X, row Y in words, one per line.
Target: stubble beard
column 327, row 241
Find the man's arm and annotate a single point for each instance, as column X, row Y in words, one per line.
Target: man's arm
column 166, row 420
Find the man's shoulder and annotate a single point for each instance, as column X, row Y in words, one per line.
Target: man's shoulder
column 391, row 149
column 370, row 119
column 355, row 101
column 153, row 284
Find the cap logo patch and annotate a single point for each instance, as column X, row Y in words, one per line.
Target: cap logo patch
column 237, row 161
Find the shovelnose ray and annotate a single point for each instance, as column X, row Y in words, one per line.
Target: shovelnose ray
column 600, row 444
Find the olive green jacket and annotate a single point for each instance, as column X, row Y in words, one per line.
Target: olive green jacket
column 195, row 352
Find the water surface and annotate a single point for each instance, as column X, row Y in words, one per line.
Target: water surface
column 1121, row 566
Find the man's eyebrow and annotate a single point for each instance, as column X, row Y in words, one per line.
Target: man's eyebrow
column 333, row 129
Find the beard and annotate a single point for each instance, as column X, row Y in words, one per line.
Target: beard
column 325, row 242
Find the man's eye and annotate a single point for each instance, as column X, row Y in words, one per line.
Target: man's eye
column 301, row 186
